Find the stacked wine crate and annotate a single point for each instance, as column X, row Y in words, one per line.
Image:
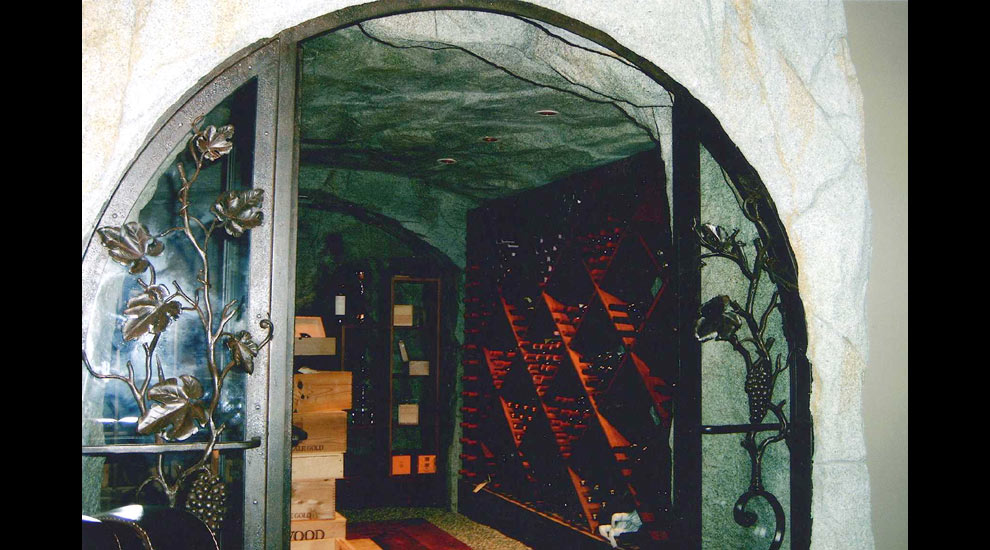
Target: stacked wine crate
column 320, row 401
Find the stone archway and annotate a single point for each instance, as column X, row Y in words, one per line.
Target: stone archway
column 806, row 188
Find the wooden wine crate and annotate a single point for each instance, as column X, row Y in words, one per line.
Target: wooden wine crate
column 310, row 326
column 309, row 467
column 357, row 544
column 318, row 534
column 315, row 346
column 321, row 391
column 313, row 499
column 326, row 432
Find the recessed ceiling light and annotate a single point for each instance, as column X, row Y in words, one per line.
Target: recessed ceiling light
column 446, row 161
column 489, row 139
column 547, row 112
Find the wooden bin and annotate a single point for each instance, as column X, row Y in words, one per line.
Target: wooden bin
column 321, row 391
column 326, row 432
column 321, row 466
column 313, row 499
column 317, row 534
column 314, row 346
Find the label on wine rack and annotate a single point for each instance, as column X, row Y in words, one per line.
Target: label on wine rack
column 401, row 465
column 426, row 464
column 402, row 315
column 409, row 414
column 419, row 368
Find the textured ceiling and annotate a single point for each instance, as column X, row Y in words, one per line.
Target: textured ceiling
column 376, row 102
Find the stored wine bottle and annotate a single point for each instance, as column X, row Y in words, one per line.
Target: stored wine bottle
column 362, row 413
column 359, row 300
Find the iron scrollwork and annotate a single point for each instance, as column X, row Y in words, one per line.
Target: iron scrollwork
column 724, row 319
column 174, row 409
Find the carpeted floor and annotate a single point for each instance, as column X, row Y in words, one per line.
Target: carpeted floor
column 414, row 535
column 405, row 534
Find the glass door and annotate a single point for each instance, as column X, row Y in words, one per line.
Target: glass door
column 178, row 316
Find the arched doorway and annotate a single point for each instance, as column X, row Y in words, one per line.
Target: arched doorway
column 275, row 62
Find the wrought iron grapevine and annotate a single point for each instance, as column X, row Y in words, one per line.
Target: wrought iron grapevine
column 173, row 409
column 744, row 328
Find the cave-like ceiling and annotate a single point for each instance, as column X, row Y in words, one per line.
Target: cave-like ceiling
column 373, row 104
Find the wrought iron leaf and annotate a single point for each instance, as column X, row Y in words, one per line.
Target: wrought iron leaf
column 178, row 409
column 149, row 312
column 239, row 210
column 244, row 349
column 717, row 320
column 129, row 245
column 214, row 143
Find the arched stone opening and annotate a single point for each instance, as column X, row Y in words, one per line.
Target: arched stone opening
column 745, row 168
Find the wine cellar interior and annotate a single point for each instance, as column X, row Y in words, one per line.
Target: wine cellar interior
column 565, row 411
column 531, row 299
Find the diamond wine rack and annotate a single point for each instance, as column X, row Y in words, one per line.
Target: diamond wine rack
column 569, row 350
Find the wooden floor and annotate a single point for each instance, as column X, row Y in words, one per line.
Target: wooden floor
column 406, row 534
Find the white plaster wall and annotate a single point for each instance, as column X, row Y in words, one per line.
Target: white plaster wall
column 878, row 36
column 777, row 75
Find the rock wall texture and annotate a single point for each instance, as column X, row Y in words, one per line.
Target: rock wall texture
column 777, row 75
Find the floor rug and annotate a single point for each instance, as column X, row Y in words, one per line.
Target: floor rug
column 407, row 534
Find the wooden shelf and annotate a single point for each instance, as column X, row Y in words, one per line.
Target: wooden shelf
column 553, row 284
column 422, row 343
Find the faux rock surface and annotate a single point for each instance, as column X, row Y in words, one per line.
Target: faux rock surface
column 375, row 101
column 776, row 75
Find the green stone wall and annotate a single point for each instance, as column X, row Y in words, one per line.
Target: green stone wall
column 365, row 236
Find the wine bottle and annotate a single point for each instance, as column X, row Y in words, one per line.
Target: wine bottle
column 359, row 299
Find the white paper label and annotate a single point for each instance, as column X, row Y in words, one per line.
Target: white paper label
column 339, row 305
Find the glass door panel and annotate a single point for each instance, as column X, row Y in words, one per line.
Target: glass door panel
column 176, row 307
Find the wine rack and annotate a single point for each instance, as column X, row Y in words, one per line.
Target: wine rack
column 414, row 442
column 569, row 355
